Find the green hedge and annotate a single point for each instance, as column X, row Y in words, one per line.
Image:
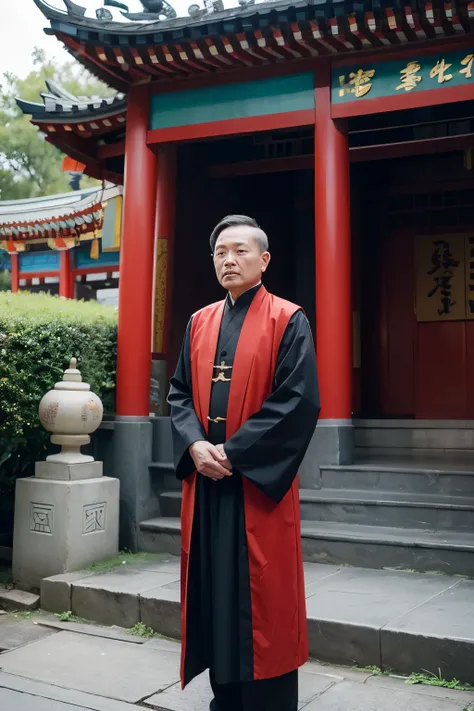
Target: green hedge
column 39, row 334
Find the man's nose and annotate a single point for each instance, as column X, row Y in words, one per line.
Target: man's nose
column 230, row 258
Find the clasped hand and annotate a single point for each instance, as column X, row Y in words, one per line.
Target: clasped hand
column 210, row 460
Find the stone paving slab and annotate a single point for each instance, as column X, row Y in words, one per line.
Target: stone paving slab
column 18, row 600
column 350, row 696
column 128, row 580
column 16, row 632
column 89, row 674
column 448, row 614
column 447, row 620
column 198, row 695
column 32, row 693
column 117, row 633
column 393, row 684
column 160, row 565
column 105, row 667
column 373, row 598
column 161, row 644
column 19, row 701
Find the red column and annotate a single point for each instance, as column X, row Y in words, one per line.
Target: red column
column 333, row 257
column 15, row 273
column 136, row 261
column 65, row 274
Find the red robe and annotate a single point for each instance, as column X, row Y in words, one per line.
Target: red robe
column 280, row 642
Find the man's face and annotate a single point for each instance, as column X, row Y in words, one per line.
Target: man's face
column 238, row 259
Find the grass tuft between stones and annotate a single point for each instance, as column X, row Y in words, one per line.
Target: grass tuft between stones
column 125, row 557
column 429, row 679
column 424, row 677
column 141, row 630
column 375, row 671
column 68, row 616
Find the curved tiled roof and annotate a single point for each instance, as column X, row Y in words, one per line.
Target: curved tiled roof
column 123, row 53
column 37, row 218
column 209, row 22
column 85, row 115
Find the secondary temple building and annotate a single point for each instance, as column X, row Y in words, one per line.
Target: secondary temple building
column 346, row 129
column 66, row 244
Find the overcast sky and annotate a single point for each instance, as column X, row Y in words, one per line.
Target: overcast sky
column 21, row 28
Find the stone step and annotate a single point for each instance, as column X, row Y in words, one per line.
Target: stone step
column 352, row 544
column 404, row 475
column 165, row 475
column 438, row 477
column 450, row 552
column 170, row 503
column 374, row 508
column 393, row 509
column 160, row 535
column 18, row 600
column 162, row 450
column 399, row 621
column 406, row 435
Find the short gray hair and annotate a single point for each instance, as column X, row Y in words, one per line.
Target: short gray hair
column 235, row 221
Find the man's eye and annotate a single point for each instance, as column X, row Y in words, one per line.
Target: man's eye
column 242, row 251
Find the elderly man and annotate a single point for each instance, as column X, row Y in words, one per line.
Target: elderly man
column 244, row 405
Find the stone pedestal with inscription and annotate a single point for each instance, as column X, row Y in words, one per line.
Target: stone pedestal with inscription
column 67, row 515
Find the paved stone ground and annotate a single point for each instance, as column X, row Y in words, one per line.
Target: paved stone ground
column 51, row 666
column 388, row 618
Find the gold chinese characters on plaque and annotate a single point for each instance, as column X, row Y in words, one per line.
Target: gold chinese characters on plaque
column 440, row 277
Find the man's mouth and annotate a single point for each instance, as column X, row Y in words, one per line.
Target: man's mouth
column 230, row 274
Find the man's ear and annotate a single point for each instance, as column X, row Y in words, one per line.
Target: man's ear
column 266, row 256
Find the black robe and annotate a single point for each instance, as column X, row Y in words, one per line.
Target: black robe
column 219, row 633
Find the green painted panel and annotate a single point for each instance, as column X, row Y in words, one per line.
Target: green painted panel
column 233, row 101
column 374, row 81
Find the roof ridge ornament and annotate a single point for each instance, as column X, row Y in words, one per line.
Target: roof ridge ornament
column 210, row 7
column 153, row 10
column 74, row 9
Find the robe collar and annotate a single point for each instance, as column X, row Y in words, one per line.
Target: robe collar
column 244, row 299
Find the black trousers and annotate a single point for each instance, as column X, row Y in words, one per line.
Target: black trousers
column 277, row 694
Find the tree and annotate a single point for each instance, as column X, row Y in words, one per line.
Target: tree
column 29, row 165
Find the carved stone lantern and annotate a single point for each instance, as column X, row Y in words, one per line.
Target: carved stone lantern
column 67, row 515
column 71, row 412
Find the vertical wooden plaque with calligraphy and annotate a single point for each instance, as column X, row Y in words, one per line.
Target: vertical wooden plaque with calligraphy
column 440, row 277
column 160, row 293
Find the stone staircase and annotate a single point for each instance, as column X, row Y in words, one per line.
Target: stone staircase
column 407, row 502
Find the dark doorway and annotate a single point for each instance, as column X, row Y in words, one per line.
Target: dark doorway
column 282, row 204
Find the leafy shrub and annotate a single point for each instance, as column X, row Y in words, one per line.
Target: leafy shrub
column 39, row 334
column 5, row 280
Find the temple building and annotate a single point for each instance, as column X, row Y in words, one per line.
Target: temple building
column 346, row 129
column 68, row 244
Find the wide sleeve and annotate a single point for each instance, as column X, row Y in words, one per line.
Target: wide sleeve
column 269, row 447
column 185, row 426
